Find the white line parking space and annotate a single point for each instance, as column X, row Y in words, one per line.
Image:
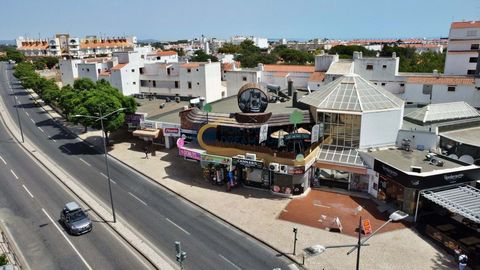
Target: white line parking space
column 138, row 199
column 82, row 160
column 180, row 228
column 230, row 262
column 68, row 240
column 28, row 191
column 16, row 177
column 3, row 160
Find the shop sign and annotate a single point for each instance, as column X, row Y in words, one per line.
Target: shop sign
column 263, row 133
column 296, row 136
column 452, row 178
column 189, row 154
column 296, row 170
column 136, row 118
column 206, row 158
column 367, row 227
column 149, row 124
column 248, row 163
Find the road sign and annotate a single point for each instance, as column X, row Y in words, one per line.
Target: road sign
column 367, row 227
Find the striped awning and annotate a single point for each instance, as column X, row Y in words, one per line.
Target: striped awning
column 463, row 200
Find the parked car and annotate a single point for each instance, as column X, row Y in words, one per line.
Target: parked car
column 75, row 220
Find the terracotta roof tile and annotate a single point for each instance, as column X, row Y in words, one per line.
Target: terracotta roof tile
column 104, row 73
column 280, row 74
column 34, row 45
column 190, row 65
column 470, row 24
column 317, row 77
column 289, row 68
column 164, row 53
column 118, row 66
column 103, row 44
column 450, row 80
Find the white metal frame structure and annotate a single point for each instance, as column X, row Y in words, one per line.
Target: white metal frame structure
column 463, row 200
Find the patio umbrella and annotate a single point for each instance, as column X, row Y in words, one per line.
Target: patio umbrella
column 302, row 130
column 278, row 134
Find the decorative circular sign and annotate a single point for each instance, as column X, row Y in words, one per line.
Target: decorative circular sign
column 299, row 158
column 251, row 99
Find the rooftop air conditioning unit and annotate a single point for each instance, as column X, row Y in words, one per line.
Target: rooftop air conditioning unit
column 250, row 156
column 274, row 167
column 283, row 169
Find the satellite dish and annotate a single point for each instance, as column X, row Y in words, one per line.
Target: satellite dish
column 453, row 156
column 467, row 159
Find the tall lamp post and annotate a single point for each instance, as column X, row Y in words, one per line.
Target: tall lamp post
column 317, row 249
column 101, row 117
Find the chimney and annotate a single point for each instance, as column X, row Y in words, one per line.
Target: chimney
column 209, row 60
column 260, row 66
column 435, row 73
column 290, row 88
column 356, row 55
column 394, row 55
column 201, row 104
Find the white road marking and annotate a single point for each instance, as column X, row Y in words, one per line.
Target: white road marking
column 41, row 129
column 32, row 120
column 28, row 191
column 107, row 177
column 81, row 159
column 230, row 262
column 4, row 162
column 136, row 198
column 27, row 114
column 14, row 174
column 65, row 149
column 53, row 139
column 68, row 240
column 293, row 266
column 175, row 224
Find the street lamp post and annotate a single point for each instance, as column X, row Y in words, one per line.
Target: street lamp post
column 317, row 249
column 105, row 152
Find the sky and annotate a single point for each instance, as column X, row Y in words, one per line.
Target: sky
column 187, row 19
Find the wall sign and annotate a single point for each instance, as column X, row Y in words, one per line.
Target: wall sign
column 206, row 158
column 189, row 154
column 248, row 163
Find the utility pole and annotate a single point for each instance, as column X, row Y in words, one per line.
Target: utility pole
column 181, row 255
column 295, row 230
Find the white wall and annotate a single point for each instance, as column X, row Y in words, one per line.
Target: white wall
column 458, row 63
column 88, row 70
column 428, row 139
column 69, row 70
column 238, row 78
column 380, row 128
column 468, row 93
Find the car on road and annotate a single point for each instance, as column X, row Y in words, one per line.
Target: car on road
column 75, row 220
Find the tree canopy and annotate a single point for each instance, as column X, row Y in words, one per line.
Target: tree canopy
column 201, row 56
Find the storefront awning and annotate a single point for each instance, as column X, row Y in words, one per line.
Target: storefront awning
column 149, row 133
column 463, row 200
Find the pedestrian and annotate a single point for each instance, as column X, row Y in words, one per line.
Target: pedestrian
column 146, row 152
column 462, row 261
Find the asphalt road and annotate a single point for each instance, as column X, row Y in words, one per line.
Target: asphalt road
column 160, row 216
column 30, row 203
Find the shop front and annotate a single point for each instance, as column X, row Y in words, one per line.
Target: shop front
column 250, row 172
column 217, row 169
column 289, row 180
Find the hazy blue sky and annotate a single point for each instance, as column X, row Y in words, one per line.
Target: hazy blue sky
column 169, row 20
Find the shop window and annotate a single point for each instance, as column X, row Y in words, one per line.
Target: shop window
column 369, row 67
column 451, row 88
column 473, row 60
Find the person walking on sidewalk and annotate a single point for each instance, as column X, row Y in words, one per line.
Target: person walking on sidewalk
column 146, row 152
column 462, row 261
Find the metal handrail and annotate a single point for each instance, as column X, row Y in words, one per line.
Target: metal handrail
column 10, row 251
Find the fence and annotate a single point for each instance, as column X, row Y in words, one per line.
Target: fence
column 9, row 249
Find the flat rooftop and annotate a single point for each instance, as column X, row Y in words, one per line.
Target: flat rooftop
column 470, row 136
column 230, row 105
column 402, row 160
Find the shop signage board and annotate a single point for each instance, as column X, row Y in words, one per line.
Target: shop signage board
column 257, row 164
column 149, row 124
column 263, row 133
column 419, row 181
column 189, row 154
column 171, row 130
column 367, row 226
column 206, row 158
column 296, row 136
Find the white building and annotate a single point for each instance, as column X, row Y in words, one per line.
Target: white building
column 62, row 45
column 260, row 42
column 463, row 48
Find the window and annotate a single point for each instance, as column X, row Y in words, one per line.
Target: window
column 427, row 89
column 134, row 83
column 244, row 78
column 451, row 88
column 473, row 60
column 197, row 69
column 158, row 57
column 369, row 67
column 154, row 83
column 141, row 70
column 168, row 71
column 176, row 84
column 133, row 70
column 474, row 47
column 471, row 72
column 198, row 83
column 99, row 70
column 189, row 70
column 189, row 85
column 471, row 33
column 402, row 85
column 88, row 70
column 383, row 84
column 384, row 66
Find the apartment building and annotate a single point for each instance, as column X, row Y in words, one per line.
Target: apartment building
column 463, row 48
column 62, row 45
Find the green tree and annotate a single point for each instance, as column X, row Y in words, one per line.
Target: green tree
column 346, row 52
column 229, row 48
column 3, row 259
column 83, row 84
column 13, row 54
column 201, row 56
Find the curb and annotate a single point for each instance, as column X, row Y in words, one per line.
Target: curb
column 177, row 194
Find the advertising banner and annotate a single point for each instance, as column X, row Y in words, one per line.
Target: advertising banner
column 248, row 163
column 315, row 133
column 189, row 154
column 263, row 133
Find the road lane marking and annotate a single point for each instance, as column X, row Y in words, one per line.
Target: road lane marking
column 81, row 159
column 230, row 262
column 136, row 198
column 107, row 178
column 175, row 224
column 4, row 162
column 66, row 149
column 14, row 174
column 27, row 114
column 32, row 120
column 53, row 139
column 68, row 240
column 41, row 129
column 293, row 266
column 28, row 191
